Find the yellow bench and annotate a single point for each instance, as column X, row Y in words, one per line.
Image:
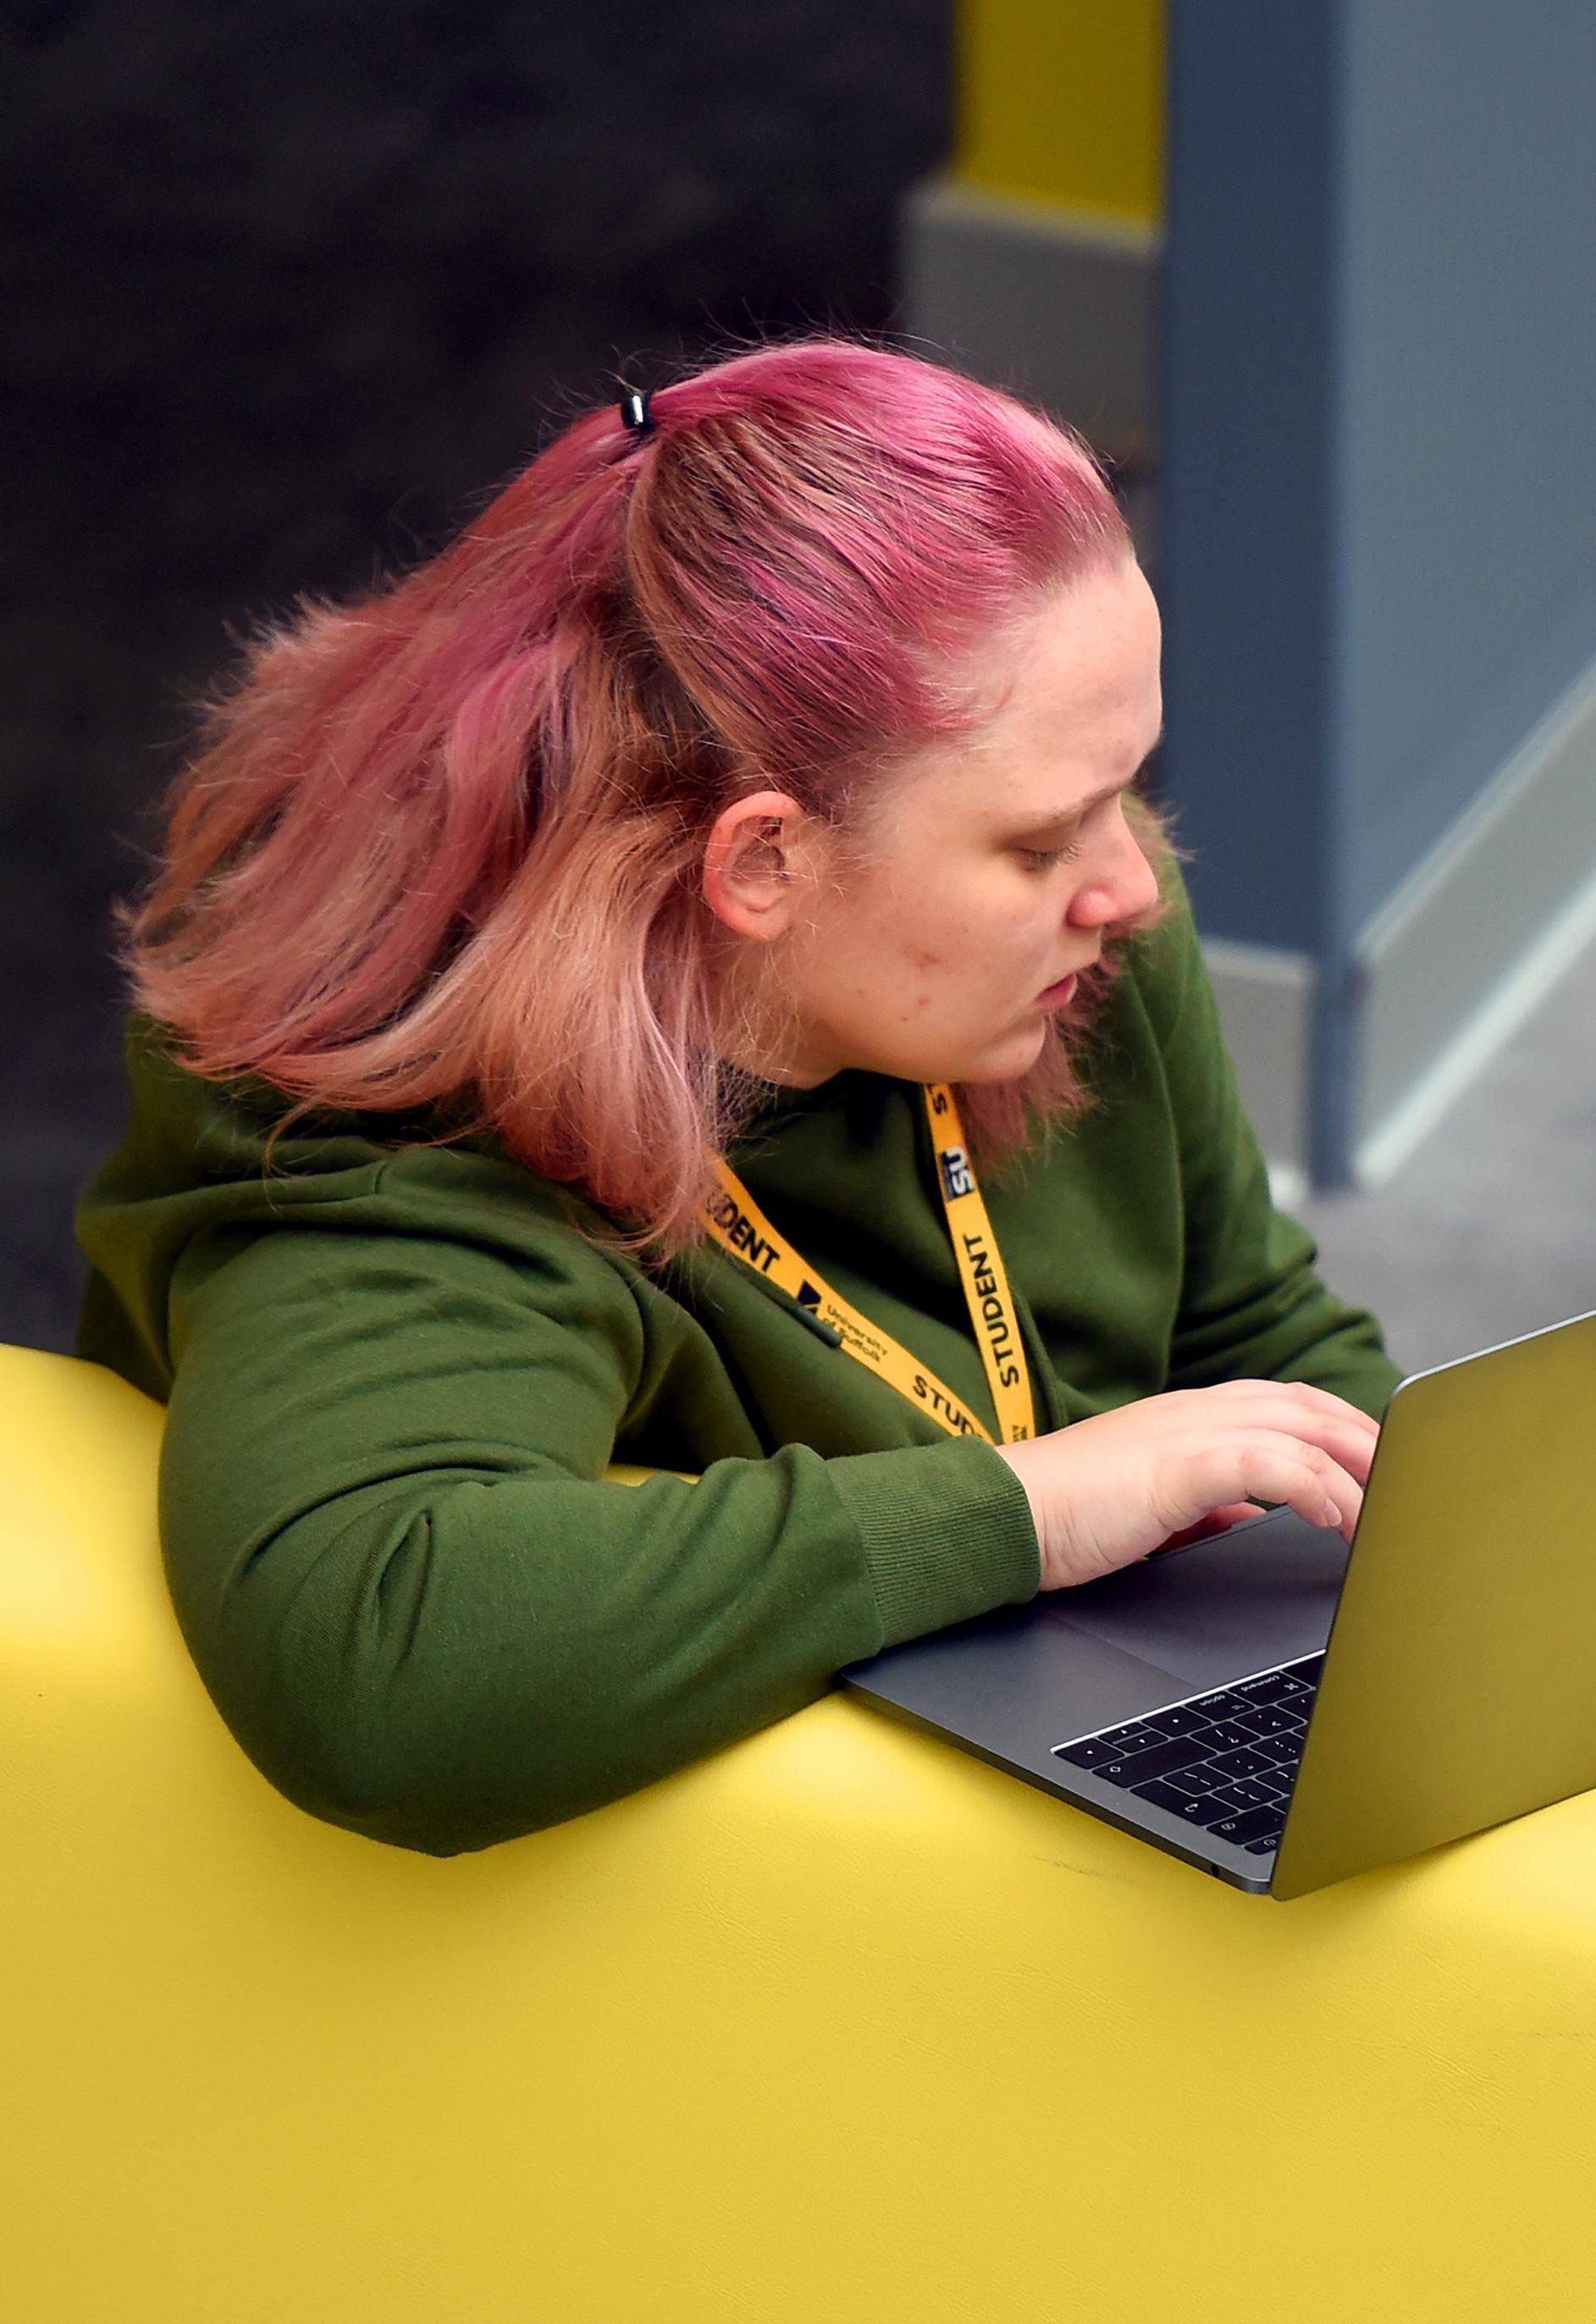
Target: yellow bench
column 839, row 2023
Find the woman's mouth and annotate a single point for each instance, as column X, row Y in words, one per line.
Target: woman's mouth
column 1057, row 994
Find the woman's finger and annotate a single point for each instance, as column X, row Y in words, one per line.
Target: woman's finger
column 1276, row 1468
column 1347, row 1436
column 1302, row 1397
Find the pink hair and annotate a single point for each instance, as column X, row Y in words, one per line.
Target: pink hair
column 440, row 844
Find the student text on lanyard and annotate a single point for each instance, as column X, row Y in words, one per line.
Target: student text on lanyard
column 741, row 1227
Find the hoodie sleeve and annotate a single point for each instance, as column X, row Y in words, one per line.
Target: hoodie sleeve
column 420, row 1605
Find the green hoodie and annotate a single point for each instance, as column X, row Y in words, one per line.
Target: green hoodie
column 397, row 1374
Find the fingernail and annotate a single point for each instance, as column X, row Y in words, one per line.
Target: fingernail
column 1333, row 1514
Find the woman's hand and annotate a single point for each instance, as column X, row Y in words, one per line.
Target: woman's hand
column 1112, row 1489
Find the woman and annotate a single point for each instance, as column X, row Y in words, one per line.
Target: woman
column 682, row 978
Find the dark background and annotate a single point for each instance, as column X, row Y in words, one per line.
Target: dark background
column 289, row 291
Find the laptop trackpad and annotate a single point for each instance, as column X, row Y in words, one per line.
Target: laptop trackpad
column 1263, row 1594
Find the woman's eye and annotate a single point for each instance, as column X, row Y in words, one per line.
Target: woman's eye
column 1042, row 858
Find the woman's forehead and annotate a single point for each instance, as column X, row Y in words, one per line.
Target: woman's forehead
column 1090, row 656
column 1080, row 709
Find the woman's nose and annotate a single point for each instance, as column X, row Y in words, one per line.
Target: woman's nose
column 1122, row 890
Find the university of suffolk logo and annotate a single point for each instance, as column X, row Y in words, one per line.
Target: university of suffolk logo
column 956, row 1172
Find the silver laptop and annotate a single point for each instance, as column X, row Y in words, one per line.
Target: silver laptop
column 1282, row 1711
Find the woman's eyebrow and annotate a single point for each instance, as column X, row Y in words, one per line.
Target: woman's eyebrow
column 1081, row 806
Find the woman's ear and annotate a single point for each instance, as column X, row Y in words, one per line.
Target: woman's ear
column 750, row 862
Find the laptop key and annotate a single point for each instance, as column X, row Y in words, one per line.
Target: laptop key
column 1255, row 1823
column 1249, row 1792
column 1195, row 1781
column 1244, row 1762
column 1177, row 1753
column 1214, row 1706
column 1092, row 1753
column 1200, row 1811
column 1230, row 1734
column 1215, row 1814
column 1181, row 1721
column 1274, row 1686
column 1264, row 1720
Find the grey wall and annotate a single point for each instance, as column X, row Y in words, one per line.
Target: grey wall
column 1378, row 546
column 1245, row 562
column 1467, row 394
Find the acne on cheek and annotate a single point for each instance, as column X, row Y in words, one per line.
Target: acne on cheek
column 919, row 962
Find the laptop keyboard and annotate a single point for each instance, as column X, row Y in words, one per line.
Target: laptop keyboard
column 1226, row 1760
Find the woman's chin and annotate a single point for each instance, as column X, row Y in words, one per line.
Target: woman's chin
column 999, row 1061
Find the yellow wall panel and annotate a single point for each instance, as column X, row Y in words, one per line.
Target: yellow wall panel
column 1063, row 101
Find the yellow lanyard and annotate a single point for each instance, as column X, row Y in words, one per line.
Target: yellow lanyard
column 741, row 1227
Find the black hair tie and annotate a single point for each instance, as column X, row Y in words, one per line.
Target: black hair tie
column 635, row 411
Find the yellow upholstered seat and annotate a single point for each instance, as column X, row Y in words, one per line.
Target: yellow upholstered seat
column 838, row 2024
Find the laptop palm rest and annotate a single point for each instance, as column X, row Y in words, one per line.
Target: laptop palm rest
column 1022, row 1680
